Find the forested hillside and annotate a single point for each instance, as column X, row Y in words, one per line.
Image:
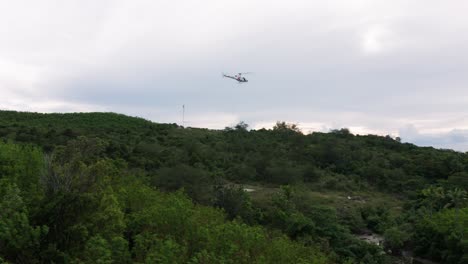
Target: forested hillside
column 108, row 188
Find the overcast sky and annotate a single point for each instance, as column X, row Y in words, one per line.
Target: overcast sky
column 395, row 67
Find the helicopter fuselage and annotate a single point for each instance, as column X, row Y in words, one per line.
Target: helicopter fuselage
column 238, row 78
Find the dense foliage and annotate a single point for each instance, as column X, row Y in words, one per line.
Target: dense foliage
column 107, row 188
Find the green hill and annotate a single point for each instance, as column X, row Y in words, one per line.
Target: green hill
column 84, row 187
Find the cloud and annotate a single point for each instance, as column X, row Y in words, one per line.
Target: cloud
column 376, row 39
column 456, row 139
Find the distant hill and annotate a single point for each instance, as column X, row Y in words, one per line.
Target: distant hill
column 380, row 161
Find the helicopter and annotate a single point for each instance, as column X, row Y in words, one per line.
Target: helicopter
column 238, row 77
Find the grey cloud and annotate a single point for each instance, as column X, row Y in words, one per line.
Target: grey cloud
column 456, row 139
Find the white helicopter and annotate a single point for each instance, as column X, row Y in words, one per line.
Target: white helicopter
column 238, row 77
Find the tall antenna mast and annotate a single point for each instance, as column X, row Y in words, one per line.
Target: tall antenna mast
column 183, row 115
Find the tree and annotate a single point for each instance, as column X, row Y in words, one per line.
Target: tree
column 457, row 197
column 108, row 219
column 196, row 182
column 395, row 239
column 241, row 126
column 341, row 132
column 236, row 202
column 18, row 239
column 98, row 250
column 149, row 248
column 282, row 126
column 433, row 196
column 458, row 179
